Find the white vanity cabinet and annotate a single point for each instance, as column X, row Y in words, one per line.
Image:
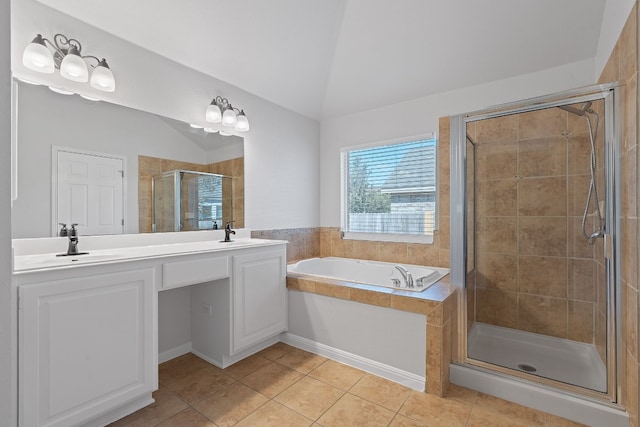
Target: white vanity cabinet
column 259, row 297
column 86, row 346
column 87, row 328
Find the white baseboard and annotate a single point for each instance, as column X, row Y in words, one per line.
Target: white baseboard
column 121, row 411
column 172, row 353
column 539, row 397
column 230, row 360
column 405, row 378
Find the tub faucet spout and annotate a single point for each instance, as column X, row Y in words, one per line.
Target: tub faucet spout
column 406, row 275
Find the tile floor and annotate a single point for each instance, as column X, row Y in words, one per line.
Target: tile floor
column 284, row 386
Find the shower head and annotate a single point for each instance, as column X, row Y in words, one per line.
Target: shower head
column 586, row 108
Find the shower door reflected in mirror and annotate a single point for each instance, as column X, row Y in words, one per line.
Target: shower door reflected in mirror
column 189, row 201
column 537, row 286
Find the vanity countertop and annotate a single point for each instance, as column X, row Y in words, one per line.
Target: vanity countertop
column 47, row 261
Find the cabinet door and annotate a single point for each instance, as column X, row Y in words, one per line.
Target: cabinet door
column 86, row 346
column 259, row 297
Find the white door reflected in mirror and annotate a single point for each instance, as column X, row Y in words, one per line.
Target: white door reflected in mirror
column 88, row 191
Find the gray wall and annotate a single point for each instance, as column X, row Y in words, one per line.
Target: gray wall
column 7, row 347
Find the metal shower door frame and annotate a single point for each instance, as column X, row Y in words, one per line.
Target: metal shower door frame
column 610, row 93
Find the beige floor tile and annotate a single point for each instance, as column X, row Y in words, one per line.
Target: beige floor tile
column 271, row 379
column 461, row 394
column 378, row 390
column 553, row 421
column 301, row 361
column 481, row 417
column 337, row 374
column 435, row 411
column 509, row 409
column 180, row 366
column 275, row 351
column 274, row 414
column 199, row 384
column 246, row 366
column 309, row 397
column 228, row 406
column 354, row 411
column 166, row 405
column 402, row 421
column 187, row 418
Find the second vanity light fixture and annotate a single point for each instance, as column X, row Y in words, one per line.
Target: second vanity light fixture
column 68, row 58
column 221, row 111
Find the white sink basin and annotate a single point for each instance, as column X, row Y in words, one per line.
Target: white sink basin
column 50, row 260
column 32, row 262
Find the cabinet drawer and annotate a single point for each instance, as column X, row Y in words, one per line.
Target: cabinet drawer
column 184, row 273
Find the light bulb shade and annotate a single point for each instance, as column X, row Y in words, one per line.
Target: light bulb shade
column 73, row 66
column 102, row 77
column 229, row 117
column 242, row 124
column 213, row 115
column 37, row 56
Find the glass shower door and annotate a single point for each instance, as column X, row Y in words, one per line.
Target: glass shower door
column 536, row 274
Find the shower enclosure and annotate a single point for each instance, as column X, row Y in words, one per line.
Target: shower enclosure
column 187, row 201
column 536, row 240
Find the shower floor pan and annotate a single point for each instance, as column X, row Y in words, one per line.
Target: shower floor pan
column 559, row 359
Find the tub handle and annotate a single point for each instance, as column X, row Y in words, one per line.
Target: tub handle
column 420, row 281
column 396, row 283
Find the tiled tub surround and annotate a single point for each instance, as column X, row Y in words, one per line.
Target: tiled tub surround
column 150, row 166
column 437, row 304
column 303, row 242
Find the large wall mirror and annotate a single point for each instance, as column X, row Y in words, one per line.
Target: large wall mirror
column 52, row 130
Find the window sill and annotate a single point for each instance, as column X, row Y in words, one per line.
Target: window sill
column 383, row 237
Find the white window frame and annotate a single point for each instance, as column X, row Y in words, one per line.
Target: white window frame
column 384, row 237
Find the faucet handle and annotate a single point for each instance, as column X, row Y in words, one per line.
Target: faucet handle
column 228, row 225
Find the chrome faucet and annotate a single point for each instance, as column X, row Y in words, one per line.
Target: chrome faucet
column 73, row 240
column 228, row 231
column 406, row 275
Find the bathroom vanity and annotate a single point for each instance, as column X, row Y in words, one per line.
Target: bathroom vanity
column 88, row 325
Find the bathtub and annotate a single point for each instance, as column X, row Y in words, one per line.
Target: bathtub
column 375, row 273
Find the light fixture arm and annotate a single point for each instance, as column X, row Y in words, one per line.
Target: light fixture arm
column 62, row 45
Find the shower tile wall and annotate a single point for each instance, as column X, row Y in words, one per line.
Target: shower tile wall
column 535, row 271
column 235, row 169
column 150, row 166
column 622, row 67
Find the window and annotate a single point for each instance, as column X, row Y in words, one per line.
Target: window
column 389, row 191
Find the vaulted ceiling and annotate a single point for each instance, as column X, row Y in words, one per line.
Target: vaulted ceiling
column 327, row 58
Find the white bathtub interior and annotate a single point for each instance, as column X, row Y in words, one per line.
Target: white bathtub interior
column 369, row 272
column 563, row 360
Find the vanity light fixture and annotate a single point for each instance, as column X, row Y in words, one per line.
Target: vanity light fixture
column 60, row 90
column 67, row 57
column 221, row 111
